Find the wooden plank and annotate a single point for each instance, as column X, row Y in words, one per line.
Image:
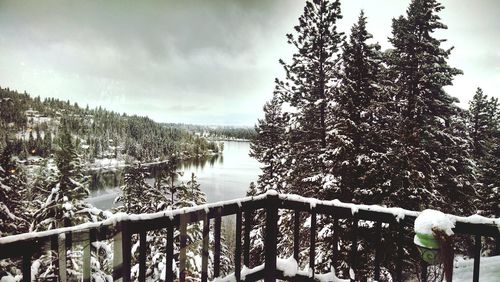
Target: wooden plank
column 142, row 255
column 86, row 259
column 354, row 250
column 237, row 249
column 62, row 257
column 217, row 247
column 378, row 250
column 399, row 259
column 54, row 252
column 312, row 243
column 117, row 256
column 296, row 235
column 477, row 258
column 169, row 273
column 246, row 239
column 204, row 252
column 26, row 267
column 126, row 251
column 423, row 271
column 183, row 246
column 271, row 240
column 335, row 242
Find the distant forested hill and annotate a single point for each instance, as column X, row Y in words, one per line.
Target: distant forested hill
column 217, row 132
column 31, row 123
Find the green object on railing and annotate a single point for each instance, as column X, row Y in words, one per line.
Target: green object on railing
column 428, row 246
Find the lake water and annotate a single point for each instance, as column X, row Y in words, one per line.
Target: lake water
column 221, row 178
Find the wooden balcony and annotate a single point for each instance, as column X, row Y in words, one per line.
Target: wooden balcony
column 121, row 228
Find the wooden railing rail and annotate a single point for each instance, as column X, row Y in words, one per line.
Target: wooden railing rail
column 121, row 228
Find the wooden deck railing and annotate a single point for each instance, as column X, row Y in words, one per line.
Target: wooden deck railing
column 121, row 228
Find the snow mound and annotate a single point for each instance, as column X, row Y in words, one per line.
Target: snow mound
column 289, row 266
column 431, row 220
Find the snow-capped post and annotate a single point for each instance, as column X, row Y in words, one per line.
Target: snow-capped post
column 433, row 231
column 271, row 241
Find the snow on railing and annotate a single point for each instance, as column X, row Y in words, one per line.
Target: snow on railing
column 122, row 226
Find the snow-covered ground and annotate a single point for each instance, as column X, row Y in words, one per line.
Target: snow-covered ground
column 489, row 270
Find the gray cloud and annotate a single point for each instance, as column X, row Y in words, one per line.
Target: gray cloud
column 197, row 61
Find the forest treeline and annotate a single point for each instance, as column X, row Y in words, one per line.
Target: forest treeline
column 219, row 132
column 30, row 125
column 353, row 122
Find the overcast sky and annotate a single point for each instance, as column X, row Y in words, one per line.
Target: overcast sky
column 203, row 62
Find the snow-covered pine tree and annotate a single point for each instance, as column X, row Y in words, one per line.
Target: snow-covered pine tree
column 307, row 90
column 355, row 121
column 136, row 192
column 65, row 201
column 433, row 170
column 64, row 190
column 13, row 214
column 479, row 124
column 269, row 147
column 358, row 136
column 492, row 166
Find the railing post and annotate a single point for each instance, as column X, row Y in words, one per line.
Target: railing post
column 354, row 249
column 62, row 257
column 477, row 257
column 126, row 251
column 204, row 252
column 217, row 247
column 237, row 251
column 378, row 235
column 246, row 239
column 169, row 248
column 121, row 256
column 26, row 265
column 271, row 240
column 312, row 243
column 497, row 245
column 335, row 243
column 399, row 263
column 423, row 272
column 142, row 255
column 296, row 235
column 183, row 246
column 86, row 257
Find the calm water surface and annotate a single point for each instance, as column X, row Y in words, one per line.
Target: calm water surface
column 222, row 178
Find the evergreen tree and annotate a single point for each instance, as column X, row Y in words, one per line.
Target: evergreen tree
column 68, row 191
column 269, row 147
column 308, row 90
column 484, row 128
column 357, row 119
column 432, row 167
column 135, row 197
column 13, row 213
column 479, row 123
column 65, row 190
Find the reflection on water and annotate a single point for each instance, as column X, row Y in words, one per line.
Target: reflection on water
column 221, row 177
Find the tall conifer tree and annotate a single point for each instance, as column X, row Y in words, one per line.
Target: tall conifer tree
column 269, row 147
column 307, row 89
column 356, row 120
column 433, row 165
